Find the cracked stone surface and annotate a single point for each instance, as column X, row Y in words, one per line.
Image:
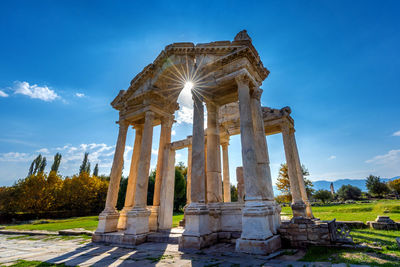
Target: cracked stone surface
column 78, row 251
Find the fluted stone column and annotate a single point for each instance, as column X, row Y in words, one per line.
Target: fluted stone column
column 263, row 168
column 165, row 138
column 214, row 183
column 189, row 176
column 298, row 206
column 227, row 183
column 197, row 231
column 108, row 218
column 256, row 235
column 300, row 177
column 138, row 216
column 130, row 190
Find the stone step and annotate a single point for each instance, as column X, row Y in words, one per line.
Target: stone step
column 159, row 237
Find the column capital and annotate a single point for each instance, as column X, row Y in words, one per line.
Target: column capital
column 149, row 114
column 242, row 80
column 257, row 94
column 123, row 123
column 167, row 121
column 211, row 105
column 138, row 126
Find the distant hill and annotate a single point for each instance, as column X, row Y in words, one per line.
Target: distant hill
column 323, row 184
column 360, row 183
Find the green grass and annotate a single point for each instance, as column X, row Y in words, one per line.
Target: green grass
column 176, row 218
column 88, row 223
column 381, row 249
column 355, row 212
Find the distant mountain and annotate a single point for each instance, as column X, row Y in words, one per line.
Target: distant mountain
column 360, row 183
column 323, row 184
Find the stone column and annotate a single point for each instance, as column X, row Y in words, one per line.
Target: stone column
column 108, row 218
column 197, row 232
column 263, row 169
column 189, row 176
column 165, row 138
column 167, row 189
column 256, row 237
column 130, row 190
column 138, row 216
column 214, row 183
column 227, row 183
column 300, row 177
column 298, row 206
column 240, row 184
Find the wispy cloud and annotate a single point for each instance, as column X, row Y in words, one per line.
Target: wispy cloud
column 396, row 133
column 390, row 158
column 332, row 157
column 3, row 94
column 43, row 150
column 80, row 95
column 154, row 151
column 15, row 157
column 34, row 91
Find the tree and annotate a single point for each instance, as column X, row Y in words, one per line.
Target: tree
column 375, row 186
column 42, row 165
column 56, row 163
column 36, row 164
column 347, row 192
column 234, row 193
column 85, row 166
column 395, row 186
column 283, row 183
column 96, row 170
column 180, row 188
column 323, row 195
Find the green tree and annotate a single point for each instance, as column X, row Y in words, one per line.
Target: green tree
column 323, row 195
column 180, row 188
column 376, row 187
column 96, row 170
column 56, row 163
column 36, row 165
column 42, row 165
column 234, row 193
column 85, row 164
column 283, row 182
column 395, row 186
column 347, row 192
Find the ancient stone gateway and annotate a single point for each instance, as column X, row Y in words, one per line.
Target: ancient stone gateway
column 226, row 77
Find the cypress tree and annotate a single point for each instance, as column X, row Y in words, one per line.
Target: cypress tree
column 84, row 165
column 56, row 163
column 96, row 170
column 42, row 165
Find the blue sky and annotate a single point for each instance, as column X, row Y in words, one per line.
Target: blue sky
column 335, row 63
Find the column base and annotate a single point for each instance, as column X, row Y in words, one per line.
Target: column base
column 261, row 247
column 256, row 220
column 299, row 209
column 108, row 221
column 197, row 232
column 214, row 219
column 122, row 218
column 153, row 219
column 137, row 222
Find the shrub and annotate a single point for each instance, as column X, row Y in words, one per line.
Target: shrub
column 349, row 192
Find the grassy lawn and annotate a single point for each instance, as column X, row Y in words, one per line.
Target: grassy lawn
column 24, row 263
column 381, row 249
column 88, row 223
column 355, row 212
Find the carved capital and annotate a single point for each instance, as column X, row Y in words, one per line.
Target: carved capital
column 123, row 123
column 242, row 80
column 167, row 121
column 149, row 115
column 257, row 93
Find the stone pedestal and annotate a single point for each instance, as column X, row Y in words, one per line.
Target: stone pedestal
column 137, row 222
column 108, row 222
column 153, row 219
column 257, row 237
column 197, row 232
column 214, row 217
column 298, row 209
column 122, row 218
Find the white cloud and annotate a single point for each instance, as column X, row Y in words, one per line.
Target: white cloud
column 173, row 132
column 35, row 91
column 15, row 157
column 389, row 159
column 184, row 115
column 3, row 94
column 396, row 133
column 80, row 95
column 154, row 151
column 332, row 157
column 43, row 150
